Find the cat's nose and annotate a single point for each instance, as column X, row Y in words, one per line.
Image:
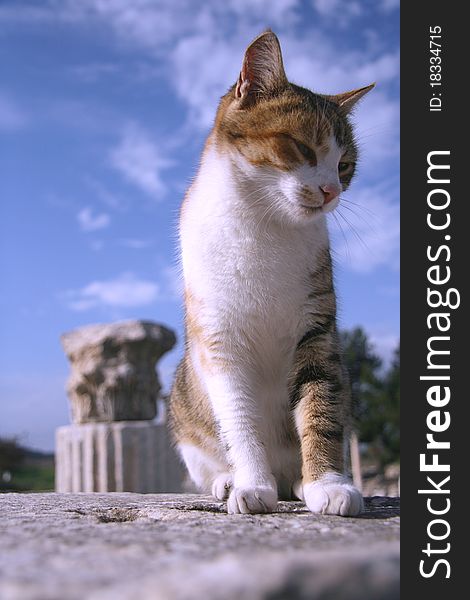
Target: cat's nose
column 330, row 191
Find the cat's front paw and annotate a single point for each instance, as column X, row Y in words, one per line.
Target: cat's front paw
column 333, row 494
column 252, row 500
column 222, row 485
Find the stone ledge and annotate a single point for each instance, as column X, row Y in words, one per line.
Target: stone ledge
column 184, row 546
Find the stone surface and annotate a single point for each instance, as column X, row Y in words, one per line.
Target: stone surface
column 126, row 456
column 172, row 547
column 113, row 375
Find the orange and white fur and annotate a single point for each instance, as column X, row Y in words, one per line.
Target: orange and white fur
column 260, row 400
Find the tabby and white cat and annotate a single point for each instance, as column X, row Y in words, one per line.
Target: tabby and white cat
column 260, row 400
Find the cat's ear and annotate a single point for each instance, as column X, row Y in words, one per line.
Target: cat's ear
column 347, row 100
column 262, row 69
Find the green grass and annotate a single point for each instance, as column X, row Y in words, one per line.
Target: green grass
column 33, row 478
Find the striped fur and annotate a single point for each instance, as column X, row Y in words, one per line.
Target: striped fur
column 260, row 400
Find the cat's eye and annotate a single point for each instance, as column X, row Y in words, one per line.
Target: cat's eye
column 343, row 167
column 306, row 152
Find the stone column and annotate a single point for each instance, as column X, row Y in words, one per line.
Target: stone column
column 114, row 445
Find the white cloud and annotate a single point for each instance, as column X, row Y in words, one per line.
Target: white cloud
column 11, row 116
column 366, row 230
column 156, row 24
column 382, row 69
column 377, row 130
column 280, row 12
column 200, row 81
column 315, row 62
column 89, row 221
column 389, row 5
column 140, row 160
column 146, row 23
column 342, row 11
column 124, row 291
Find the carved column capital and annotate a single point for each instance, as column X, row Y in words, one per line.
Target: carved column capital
column 113, row 375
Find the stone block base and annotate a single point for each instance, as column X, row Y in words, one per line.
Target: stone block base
column 185, row 547
column 124, row 456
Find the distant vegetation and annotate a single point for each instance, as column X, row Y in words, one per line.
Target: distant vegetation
column 22, row 469
column 376, row 397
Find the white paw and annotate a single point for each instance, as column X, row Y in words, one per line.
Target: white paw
column 222, row 485
column 333, row 494
column 252, row 500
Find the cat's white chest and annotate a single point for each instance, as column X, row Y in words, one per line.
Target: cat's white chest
column 251, row 278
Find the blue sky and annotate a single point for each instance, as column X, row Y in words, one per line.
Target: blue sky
column 104, row 108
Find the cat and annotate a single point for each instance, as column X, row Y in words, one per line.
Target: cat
column 260, row 399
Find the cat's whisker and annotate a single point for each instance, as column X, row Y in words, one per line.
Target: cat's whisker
column 348, row 253
column 261, row 188
column 360, row 216
column 361, row 207
column 277, row 210
column 269, row 213
column 354, row 231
